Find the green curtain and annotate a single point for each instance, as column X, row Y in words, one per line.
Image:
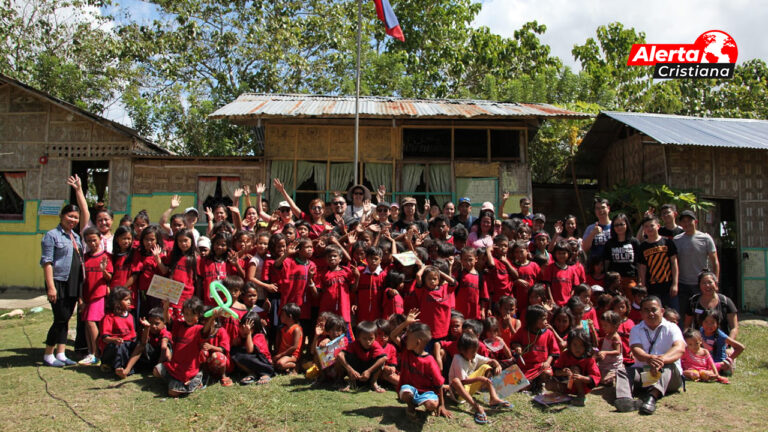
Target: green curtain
column 379, row 174
column 319, row 169
column 440, row 181
column 411, row 177
column 282, row 170
column 341, row 175
column 303, row 172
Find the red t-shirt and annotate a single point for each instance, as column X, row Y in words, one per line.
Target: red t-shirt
column 95, row 284
column 529, row 273
column 212, row 270
column 315, row 230
column 232, row 326
column 220, row 339
column 419, row 371
column 592, row 281
column 260, row 343
column 122, row 266
column 392, row 303
column 391, row 352
column 286, row 339
column 624, row 328
column 560, row 281
column 435, row 309
column 146, row 266
column 587, row 365
column 536, row 349
column 471, row 290
column 294, row 278
column 410, row 300
column 497, row 279
column 369, row 294
column 117, row 326
column 184, row 273
column 185, row 362
column 371, row 354
column 634, row 314
column 156, row 339
column 452, row 348
column 334, row 292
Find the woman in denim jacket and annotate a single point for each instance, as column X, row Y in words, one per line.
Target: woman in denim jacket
column 62, row 262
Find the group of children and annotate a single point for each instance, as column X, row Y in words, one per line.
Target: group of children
column 433, row 327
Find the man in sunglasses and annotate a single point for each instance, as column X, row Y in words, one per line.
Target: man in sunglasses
column 338, row 207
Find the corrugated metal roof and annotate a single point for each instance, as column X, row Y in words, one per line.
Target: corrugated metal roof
column 148, row 148
column 698, row 131
column 252, row 105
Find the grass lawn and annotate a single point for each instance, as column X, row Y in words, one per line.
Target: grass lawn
column 84, row 398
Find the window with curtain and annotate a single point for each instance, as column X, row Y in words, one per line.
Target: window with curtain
column 283, row 170
column 12, row 193
column 431, row 182
column 377, row 174
column 215, row 190
column 311, row 182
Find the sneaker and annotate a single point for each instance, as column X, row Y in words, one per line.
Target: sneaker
column 87, row 360
column 68, row 362
column 626, row 404
column 55, row 363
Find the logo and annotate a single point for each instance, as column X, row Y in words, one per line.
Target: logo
column 712, row 55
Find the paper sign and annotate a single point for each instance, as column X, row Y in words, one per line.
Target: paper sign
column 510, row 380
column 649, row 377
column 50, row 207
column 406, row 258
column 328, row 353
column 165, row 289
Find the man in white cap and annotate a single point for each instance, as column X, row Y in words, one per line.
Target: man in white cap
column 191, row 215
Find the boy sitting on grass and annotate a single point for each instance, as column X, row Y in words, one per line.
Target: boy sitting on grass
column 421, row 382
column 363, row 359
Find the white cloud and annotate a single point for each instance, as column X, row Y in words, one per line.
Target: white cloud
column 571, row 22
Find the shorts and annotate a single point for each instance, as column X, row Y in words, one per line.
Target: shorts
column 418, row 398
column 177, row 386
column 94, row 311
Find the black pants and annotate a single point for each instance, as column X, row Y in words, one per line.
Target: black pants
column 117, row 355
column 256, row 362
column 62, row 312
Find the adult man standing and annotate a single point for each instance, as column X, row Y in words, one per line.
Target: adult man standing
column 465, row 214
column 657, row 346
column 696, row 251
column 597, row 234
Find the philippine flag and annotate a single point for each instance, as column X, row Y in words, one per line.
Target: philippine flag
column 387, row 15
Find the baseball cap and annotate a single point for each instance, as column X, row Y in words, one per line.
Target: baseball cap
column 396, row 205
column 465, row 200
column 382, row 204
column 688, row 213
column 204, row 242
column 487, row 206
column 283, row 204
column 192, row 210
column 409, row 200
column 540, row 216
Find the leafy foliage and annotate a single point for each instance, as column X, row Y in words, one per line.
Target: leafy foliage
column 634, row 200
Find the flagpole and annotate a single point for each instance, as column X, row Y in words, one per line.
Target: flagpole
column 357, row 86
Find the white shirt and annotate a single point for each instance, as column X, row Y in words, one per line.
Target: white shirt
column 461, row 368
column 663, row 337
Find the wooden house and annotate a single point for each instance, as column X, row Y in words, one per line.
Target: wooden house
column 724, row 160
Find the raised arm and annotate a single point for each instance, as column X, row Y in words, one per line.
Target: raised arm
column 260, row 188
column 85, row 214
column 280, row 188
column 164, row 218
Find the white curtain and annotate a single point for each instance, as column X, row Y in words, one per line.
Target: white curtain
column 319, row 174
column 303, row 172
column 440, row 181
column 411, row 177
column 284, row 171
column 206, row 186
column 228, row 186
column 379, row 174
column 16, row 180
column 341, row 175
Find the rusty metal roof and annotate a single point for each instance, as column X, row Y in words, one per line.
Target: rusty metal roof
column 253, row 106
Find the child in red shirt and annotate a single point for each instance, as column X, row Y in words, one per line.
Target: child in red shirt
column 509, row 325
column 369, row 288
column 118, row 336
column 154, row 346
column 145, row 268
column 336, row 284
column 536, row 348
column 238, row 289
column 471, row 295
column 639, row 292
column 434, row 300
column 290, row 339
column 182, row 265
column 576, row 368
column 389, row 370
column 182, row 371
column 392, row 299
column 98, row 271
column 421, row 382
column 220, row 263
column 122, row 259
column 297, row 272
column 498, row 348
column 620, row 305
column 559, row 276
column 499, row 273
column 252, row 355
column 215, row 352
column 527, row 273
column 362, row 360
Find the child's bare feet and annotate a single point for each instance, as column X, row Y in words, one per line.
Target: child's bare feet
column 377, row 388
column 120, row 372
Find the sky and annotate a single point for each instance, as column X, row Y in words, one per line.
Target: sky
column 571, row 22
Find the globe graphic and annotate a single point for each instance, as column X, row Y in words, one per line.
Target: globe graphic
column 717, row 47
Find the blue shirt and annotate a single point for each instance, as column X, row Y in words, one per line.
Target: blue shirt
column 57, row 249
column 718, row 343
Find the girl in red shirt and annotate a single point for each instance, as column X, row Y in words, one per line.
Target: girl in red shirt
column 145, row 268
column 527, row 272
column 214, row 353
column 291, row 339
column 621, row 305
column 434, row 303
column 182, row 266
column 122, row 259
column 252, row 355
column 98, row 271
column 220, row 263
column 118, row 334
column 536, row 348
column 559, row 276
column 576, row 368
column 471, row 295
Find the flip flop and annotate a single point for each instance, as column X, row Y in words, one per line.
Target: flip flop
column 504, row 404
column 481, row 418
column 264, row 379
column 250, row 379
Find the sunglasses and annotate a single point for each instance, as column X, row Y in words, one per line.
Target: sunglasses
column 316, row 208
column 619, row 225
column 357, row 193
column 338, row 203
column 382, row 210
column 285, row 210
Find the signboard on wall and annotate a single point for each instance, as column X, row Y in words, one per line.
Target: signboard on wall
column 478, row 190
column 50, row 207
